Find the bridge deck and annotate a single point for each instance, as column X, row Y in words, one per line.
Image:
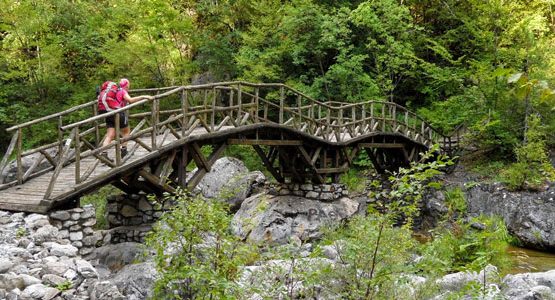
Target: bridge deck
column 30, row 196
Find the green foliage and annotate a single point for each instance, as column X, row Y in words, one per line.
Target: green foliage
column 64, row 286
column 196, row 255
column 465, row 248
column 353, row 180
column 99, row 200
column 532, row 169
column 455, row 200
column 20, row 232
column 407, row 185
column 247, row 155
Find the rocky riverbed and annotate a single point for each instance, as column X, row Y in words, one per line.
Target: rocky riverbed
column 60, row 256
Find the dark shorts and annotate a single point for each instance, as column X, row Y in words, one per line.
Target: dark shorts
column 111, row 120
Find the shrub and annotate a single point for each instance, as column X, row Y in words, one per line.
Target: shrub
column 532, row 168
column 196, row 255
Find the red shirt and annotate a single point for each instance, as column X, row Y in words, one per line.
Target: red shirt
column 120, row 98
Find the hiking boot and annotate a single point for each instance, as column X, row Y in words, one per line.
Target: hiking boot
column 105, row 155
column 123, row 152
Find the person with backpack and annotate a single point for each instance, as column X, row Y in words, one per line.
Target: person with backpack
column 112, row 97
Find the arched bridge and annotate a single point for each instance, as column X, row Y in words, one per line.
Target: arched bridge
column 297, row 138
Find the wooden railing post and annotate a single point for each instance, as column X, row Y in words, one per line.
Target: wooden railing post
column 118, row 141
column 7, row 155
column 184, row 111
column 96, row 127
column 78, row 154
column 19, row 151
column 256, row 104
column 60, row 138
column 154, row 116
column 281, row 103
column 239, row 101
column 371, row 116
column 213, row 109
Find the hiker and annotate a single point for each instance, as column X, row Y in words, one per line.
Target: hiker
column 122, row 98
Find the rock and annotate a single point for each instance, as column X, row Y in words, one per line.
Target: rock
column 61, row 215
column 456, row 281
column 277, row 218
column 115, row 256
column 129, row 211
column 229, row 180
column 10, row 172
column 527, row 215
column 57, row 267
column 35, row 291
column 105, row 290
column 61, row 250
column 136, row 281
column 75, row 236
column 529, row 285
column 34, row 221
column 28, row 280
column 46, row 233
column 9, row 282
column 85, row 268
column 5, row 265
column 88, row 211
column 53, row 280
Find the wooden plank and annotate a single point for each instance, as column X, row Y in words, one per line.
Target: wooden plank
column 269, row 165
column 382, row 145
column 265, row 142
column 7, row 155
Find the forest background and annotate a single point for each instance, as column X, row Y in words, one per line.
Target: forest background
column 485, row 64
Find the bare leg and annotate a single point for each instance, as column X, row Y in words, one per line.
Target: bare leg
column 110, row 135
column 125, row 133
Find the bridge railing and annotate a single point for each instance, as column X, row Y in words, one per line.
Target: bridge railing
column 181, row 111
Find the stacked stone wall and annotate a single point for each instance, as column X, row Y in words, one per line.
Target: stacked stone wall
column 322, row 192
column 130, row 218
column 76, row 225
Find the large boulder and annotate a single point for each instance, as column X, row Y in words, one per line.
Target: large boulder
column 528, row 215
column 116, row 256
column 10, row 172
column 530, row 286
column 279, row 218
column 136, row 281
column 229, row 180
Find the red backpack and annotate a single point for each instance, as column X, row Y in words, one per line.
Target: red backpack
column 107, row 97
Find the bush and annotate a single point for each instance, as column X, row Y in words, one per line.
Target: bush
column 196, row 255
column 532, row 168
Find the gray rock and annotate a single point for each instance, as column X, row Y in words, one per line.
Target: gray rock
column 61, row 215
column 136, row 281
column 52, row 280
column 9, row 282
column 35, row 291
column 28, row 280
column 46, row 233
column 34, row 221
column 456, row 281
column 528, row 215
column 57, row 267
column 277, row 218
column 5, row 264
column 61, row 250
column 529, row 285
column 88, row 211
column 10, row 172
column 85, row 268
column 129, row 211
column 76, row 236
column 229, row 180
column 105, row 290
column 115, row 256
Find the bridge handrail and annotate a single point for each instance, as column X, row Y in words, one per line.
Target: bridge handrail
column 331, row 121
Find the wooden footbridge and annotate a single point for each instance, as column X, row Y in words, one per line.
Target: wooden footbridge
column 297, row 138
